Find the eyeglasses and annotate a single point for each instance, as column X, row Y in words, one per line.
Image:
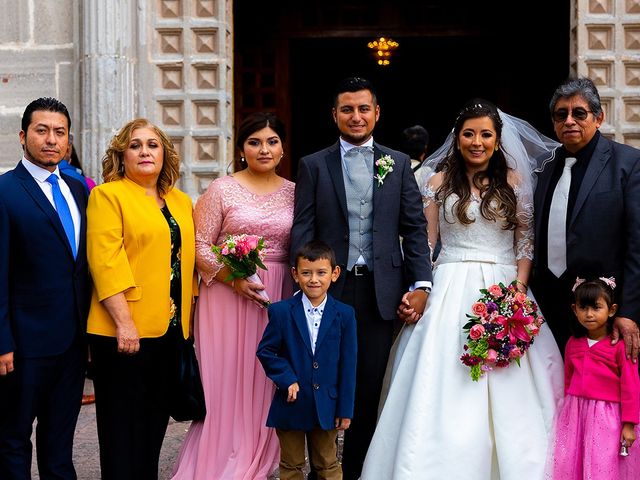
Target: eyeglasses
column 577, row 113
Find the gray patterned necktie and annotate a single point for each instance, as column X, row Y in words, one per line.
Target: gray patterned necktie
column 359, row 165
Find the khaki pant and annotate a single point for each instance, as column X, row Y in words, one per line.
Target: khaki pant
column 322, row 451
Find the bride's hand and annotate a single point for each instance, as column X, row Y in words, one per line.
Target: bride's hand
column 412, row 306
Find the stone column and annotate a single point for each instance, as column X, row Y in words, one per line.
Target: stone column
column 108, row 53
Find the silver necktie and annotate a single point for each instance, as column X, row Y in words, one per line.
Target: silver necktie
column 557, row 234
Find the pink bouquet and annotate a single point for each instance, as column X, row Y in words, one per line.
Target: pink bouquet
column 500, row 330
column 242, row 254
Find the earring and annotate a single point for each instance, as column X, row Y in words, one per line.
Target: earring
column 242, row 160
column 281, row 156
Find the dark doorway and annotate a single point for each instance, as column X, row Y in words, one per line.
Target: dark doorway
column 447, row 55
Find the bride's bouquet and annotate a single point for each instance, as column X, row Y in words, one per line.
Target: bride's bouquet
column 242, row 254
column 501, row 328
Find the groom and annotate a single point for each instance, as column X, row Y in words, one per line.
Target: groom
column 596, row 230
column 362, row 218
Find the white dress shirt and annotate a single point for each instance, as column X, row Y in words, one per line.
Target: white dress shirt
column 40, row 175
column 314, row 318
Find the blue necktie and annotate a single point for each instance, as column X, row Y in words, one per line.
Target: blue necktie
column 63, row 212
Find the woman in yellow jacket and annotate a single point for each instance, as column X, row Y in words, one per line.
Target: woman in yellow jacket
column 141, row 249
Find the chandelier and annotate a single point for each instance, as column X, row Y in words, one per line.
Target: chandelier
column 382, row 49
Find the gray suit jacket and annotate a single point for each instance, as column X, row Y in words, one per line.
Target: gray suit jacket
column 321, row 213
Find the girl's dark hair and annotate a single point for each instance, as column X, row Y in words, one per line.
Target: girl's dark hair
column 586, row 295
column 455, row 178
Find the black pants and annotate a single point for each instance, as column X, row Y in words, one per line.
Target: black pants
column 375, row 337
column 49, row 389
column 554, row 296
column 132, row 403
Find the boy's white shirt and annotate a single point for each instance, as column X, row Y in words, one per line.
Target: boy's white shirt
column 314, row 317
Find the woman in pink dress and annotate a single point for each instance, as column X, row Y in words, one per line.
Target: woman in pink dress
column 233, row 443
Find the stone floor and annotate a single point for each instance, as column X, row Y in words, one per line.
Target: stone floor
column 86, row 453
column 85, row 448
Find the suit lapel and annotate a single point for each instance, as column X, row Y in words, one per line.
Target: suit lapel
column 544, row 178
column 597, row 163
column 40, row 199
column 378, row 191
column 334, row 165
column 300, row 319
column 80, row 196
column 328, row 317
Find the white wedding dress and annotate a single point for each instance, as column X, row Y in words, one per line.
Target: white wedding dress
column 436, row 423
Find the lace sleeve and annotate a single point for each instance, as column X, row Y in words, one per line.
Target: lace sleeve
column 524, row 231
column 431, row 211
column 208, row 217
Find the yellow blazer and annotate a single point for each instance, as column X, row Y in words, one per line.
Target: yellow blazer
column 129, row 250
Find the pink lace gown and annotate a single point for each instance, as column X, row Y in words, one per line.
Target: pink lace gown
column 233, row 443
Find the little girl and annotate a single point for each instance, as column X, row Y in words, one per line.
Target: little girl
column 600, row 411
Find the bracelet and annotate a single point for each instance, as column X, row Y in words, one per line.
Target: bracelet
column 520, row 282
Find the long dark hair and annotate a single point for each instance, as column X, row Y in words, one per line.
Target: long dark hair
column 497, row 188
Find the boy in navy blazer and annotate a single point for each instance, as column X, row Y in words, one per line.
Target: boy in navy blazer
column 309, row 350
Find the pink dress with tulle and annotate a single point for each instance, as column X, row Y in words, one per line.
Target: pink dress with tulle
column 602, row 390
column 233, row 443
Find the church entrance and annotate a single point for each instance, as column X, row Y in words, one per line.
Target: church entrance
column 289, row 55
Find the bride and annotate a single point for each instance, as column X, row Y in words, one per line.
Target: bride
column 436, row 422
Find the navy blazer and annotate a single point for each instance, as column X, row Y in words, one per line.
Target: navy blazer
column 327, row 379
column 320, row 213
column 603, row 233
column 44, row 292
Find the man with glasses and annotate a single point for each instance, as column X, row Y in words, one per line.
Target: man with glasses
column 587, row 223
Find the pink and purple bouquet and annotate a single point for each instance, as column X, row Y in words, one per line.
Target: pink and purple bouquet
column 501, row 328
column 242, row 254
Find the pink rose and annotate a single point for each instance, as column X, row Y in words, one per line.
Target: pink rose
column 225, row 250
column 533, row 328
column 515, row 353
column 492, row 355
column 479, row 309
column 252, row 242
column 520, row 297
column 495, row 291
column 476, row 332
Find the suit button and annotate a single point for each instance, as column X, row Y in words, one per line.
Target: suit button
column 315, row 365
column 316, row 386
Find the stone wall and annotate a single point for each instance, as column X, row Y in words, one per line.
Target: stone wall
column 36, row 59
column 111, row 61
column 606, row 48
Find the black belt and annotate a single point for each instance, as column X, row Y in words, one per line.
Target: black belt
column 360, row 271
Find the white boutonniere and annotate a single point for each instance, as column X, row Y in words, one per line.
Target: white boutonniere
column 384, row 165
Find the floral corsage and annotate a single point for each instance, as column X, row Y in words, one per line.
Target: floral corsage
column 384, row 165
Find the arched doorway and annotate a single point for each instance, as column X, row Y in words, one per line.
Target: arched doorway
column 289, row 55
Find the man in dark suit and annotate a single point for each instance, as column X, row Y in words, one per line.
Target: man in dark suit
column 44, row 299
column 347, row 197
column 587, row 223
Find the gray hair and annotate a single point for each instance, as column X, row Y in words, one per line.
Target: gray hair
column 582, row 86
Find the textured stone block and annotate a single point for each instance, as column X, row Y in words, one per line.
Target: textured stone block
column 9, row 140
column 32, row 74
column 14, row 24
column 53, row 22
